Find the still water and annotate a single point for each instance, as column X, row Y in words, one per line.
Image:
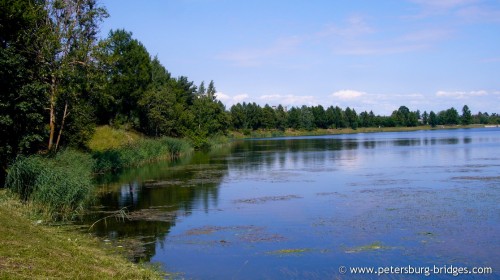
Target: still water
column 301, row 207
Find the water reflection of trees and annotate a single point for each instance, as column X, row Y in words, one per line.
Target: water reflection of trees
column 261, row 154
column 156, row 196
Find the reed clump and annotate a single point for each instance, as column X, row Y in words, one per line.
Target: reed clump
column 140, row 152
column 57, row 186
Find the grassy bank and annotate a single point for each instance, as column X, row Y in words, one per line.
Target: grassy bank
column 29, row 250
column 114, row 149
column 316, row 132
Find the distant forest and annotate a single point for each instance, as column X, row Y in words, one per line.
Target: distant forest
column 59, row 81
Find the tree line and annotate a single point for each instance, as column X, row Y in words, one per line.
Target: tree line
column 251, row 116
column 59, row 81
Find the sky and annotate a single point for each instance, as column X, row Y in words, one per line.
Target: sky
column 367, row 55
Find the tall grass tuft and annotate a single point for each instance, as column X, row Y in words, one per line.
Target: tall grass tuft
column 59, row 187
column 141, row 151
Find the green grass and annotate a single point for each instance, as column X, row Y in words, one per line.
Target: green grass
column 29, row 250
column 58, row 187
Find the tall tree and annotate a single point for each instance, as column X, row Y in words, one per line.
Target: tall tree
column 425, row 118
column 211, row 91
column 352, row 118
column 433, row 120
column 466, row 115
column 281, row 118
column 67, row 50
column 22, row 85
column 201, row 89
column 129, row 74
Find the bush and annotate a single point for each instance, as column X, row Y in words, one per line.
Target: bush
column 59, row 186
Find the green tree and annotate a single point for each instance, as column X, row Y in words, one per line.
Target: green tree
column 67, row 51
column 281, row 118
column 320, row 119
column 425, row 118
column 306, row 120
column 466, row 115
column 238, row 116
column 433, row 120
column 352, row 118
column 340, row 118
column 268, row 117
column 160, row 113
column 23, row 87
column 293, row 119
column 211, row 91
column 129, row 74
column 451, row 116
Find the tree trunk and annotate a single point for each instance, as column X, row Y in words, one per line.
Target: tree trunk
column 65, row 114
column 52, row 121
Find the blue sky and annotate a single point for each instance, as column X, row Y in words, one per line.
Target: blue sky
column 368, row 55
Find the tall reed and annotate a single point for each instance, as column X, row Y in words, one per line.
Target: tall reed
column 59, row 187
column 139, row 152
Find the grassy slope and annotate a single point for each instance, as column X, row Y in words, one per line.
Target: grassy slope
column 106, row 137
column 31, row 251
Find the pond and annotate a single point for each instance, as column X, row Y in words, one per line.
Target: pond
column 305, row 207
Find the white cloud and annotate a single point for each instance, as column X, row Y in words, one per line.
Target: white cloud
column 229, row 100
column 461, row 94
column 348, row 94
column 289, row 99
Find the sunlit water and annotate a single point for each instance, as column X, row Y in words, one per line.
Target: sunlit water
column 299, row 208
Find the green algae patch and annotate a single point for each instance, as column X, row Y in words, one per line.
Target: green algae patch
column 289, row 252
column 375, row 246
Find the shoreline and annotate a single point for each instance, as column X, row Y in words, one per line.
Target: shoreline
column 30, row 249
column 239, row 135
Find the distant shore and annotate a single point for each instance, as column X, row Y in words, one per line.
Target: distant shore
column 332, row 131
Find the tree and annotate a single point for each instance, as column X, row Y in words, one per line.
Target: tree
column 320, row 119
column 306, row 120
column 23, row 87
column 201, row 89
column 211, row 91
column 238, row 116
column 425, row 118
column 293, row 119
column 67, row 52
column 159, row 114
column 268, row 117
column 451, row 116
column 433, row 121
column 129, row 74
column 281, row 118
column 340, row 118
column 466, row 115
column 352, row 118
